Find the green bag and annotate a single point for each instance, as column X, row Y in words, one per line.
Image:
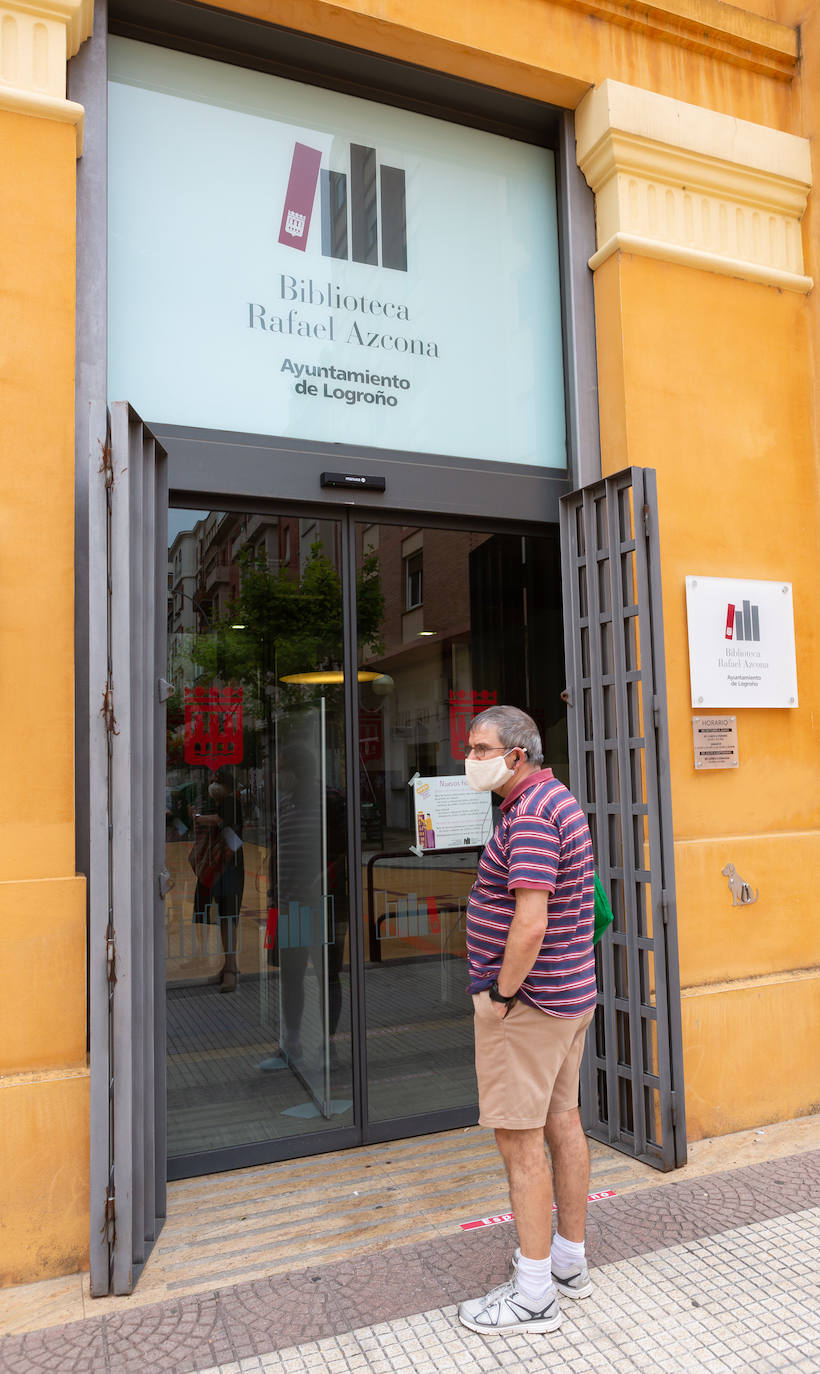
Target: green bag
column 603, row 911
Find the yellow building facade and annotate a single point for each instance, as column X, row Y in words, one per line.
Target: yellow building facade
column 696, row 123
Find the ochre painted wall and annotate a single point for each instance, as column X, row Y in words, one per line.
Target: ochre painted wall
column 727, row 1029
column 44, row 1179
column 553, row 50
column 43, row 1071
column 37, row 180
column 708, row 380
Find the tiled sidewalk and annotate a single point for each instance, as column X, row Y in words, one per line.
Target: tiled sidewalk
column 716, row 1272
column 708, row 1305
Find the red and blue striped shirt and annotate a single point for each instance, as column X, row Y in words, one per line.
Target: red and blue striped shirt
column 541, row 841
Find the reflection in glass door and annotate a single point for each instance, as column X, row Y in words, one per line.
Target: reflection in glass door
column 295, row 1020
column 258, row 980
column 468, row 619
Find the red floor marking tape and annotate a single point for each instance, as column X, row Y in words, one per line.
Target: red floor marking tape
column 508, row 1216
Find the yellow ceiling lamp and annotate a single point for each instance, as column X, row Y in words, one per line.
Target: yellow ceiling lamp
column 329, row 677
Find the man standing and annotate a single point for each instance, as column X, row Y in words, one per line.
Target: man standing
column 532, row 976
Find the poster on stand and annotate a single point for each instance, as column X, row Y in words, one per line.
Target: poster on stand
column 449, row 814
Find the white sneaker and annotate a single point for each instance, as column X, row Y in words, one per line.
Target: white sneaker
column 506, row 1309
column 572, row 1281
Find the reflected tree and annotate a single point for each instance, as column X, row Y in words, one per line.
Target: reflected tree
column 280, row 624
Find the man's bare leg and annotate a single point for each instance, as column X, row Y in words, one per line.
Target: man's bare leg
column 530, row 1188
column 528, row 1301
column 569, row 1151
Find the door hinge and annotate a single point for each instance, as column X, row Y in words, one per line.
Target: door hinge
column 107, row 710
column 107, row 463
column 656, row 711
column 665, row 904
column 673, row 1108
column 109, row 1226
column 566, row 696
column 111, row 958
column 647, row 520
column 164, row 882
column 164, row 689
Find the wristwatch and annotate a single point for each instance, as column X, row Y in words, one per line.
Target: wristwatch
column 495, row 996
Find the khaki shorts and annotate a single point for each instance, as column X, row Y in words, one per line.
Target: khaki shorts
column 527, row 1063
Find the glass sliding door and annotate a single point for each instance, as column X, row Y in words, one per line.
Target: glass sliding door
column 258, row 985
column 296, row 1019
column 467, row 619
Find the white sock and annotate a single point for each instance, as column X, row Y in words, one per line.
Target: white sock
column 567, row 1253
column 534, row 1278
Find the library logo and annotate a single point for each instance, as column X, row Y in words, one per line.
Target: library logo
column 351, row 206
column 742, row 622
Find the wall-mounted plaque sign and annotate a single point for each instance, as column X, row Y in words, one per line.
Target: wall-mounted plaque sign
column 741, row 642
column 715, row 741
column 449, row 814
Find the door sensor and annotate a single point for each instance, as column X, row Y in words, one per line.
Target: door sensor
column 353, row 479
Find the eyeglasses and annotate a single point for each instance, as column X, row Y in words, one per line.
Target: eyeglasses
column 481, row 751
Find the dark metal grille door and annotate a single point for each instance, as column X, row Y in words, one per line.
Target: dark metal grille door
column 632, row 1077
column 127, row 601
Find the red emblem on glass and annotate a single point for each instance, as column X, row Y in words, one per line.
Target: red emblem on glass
column 213, row 726
column 463, row 706
column 371, row 735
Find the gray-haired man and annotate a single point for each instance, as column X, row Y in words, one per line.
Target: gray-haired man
column 532, row 976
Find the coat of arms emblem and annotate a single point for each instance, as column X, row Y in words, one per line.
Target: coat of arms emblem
column 213, row 726
column 463, row 706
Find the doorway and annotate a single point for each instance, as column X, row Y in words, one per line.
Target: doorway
column 319, row 841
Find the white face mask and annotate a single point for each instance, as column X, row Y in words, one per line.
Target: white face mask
column 487, row 775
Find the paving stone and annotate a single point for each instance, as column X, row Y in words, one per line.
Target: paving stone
column 687, row 1276
column 77, row 1347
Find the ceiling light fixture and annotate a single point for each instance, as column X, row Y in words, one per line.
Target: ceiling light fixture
column 327, row 678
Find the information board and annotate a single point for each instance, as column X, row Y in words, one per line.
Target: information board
column 448, row 814
column 715, row 740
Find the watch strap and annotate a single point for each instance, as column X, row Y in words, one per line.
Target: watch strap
column 496, row 996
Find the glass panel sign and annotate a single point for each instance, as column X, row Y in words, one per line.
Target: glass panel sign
column 290, row 261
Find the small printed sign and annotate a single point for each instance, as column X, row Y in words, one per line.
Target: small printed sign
column 510, row 1216
column 741, row 642
column 449, row 814
column 715, row 741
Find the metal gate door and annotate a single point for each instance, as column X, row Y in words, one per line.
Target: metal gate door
column 127, row 599
column 632, row 1076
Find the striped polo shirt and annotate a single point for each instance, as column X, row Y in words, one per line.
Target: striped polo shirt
column 542, row 840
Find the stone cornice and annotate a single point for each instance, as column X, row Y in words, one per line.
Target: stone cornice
column 37, row 38
column 710, row 27
column 679, row 182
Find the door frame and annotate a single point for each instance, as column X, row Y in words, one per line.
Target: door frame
column 298, row 56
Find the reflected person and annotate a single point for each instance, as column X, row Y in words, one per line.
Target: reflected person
column 298, row 884
column 218, row 862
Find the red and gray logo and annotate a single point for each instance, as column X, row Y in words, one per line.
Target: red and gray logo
column 352, row 205
column 742, row 622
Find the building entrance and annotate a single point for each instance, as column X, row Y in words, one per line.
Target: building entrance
column 320, row 839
